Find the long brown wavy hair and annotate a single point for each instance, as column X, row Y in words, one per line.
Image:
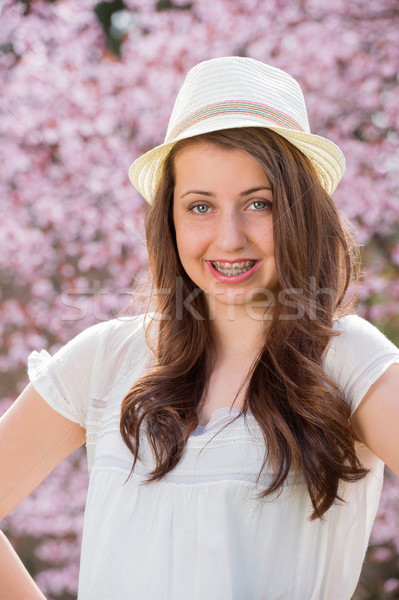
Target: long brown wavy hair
column 301, row 411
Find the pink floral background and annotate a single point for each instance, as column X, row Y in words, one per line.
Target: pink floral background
column 85, row 88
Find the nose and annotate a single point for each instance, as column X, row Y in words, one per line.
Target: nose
column 231, row 234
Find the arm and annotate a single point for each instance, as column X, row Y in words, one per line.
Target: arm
column 376, row 420
column 16, row 583
column 34, row 438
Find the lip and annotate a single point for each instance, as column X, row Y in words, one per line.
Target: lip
column 233, row 278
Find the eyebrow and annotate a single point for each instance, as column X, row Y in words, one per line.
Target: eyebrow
column 209, row 194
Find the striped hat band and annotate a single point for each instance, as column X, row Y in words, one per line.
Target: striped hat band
column 277, row 117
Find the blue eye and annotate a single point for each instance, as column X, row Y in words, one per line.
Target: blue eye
column 200, row 209
column 261, row 204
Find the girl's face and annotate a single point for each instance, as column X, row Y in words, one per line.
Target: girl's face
column 222, row 211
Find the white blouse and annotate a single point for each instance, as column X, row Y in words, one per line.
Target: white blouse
column 199, row 533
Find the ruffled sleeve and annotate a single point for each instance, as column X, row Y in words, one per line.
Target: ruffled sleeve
column 358, row 357
column 65, row 380
column 40, row 375
column 84, row 373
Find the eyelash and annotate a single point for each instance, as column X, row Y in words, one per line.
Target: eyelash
column 267, row 204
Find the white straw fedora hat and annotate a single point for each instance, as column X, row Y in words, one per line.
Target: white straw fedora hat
column 230, row 92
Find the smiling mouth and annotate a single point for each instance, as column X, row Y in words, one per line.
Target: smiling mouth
column 233, row 269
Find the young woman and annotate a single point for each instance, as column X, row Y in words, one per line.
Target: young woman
column 236, row 434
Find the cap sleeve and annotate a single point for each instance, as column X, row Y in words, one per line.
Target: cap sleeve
column 65, row 379
column 358, row 357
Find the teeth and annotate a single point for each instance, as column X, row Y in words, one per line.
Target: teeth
column 232, row 269
column 236, row 265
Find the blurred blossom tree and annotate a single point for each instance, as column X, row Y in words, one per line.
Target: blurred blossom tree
column 85, row 89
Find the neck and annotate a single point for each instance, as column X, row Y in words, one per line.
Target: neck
column 237, row 334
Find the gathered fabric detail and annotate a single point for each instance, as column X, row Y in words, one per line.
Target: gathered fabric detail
column 43, row 379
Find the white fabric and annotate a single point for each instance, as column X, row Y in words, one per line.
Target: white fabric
column 199, row 534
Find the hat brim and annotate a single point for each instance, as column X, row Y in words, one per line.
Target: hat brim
column 327, row 159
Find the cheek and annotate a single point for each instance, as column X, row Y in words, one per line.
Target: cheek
column 181, row 239
column 185, row 248
column 190, row 242
column 263, row 238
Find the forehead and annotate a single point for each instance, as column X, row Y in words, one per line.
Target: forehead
column 214, row 164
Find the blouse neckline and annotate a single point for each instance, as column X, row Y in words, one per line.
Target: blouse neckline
column 217, row 415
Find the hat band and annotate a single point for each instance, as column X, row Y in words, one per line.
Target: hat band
column 235, row 107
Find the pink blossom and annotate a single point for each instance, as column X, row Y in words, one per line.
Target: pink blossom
column 73, row 116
